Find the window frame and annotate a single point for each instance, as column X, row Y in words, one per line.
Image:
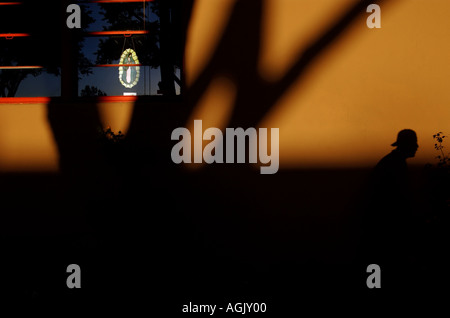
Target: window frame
column 111, row 98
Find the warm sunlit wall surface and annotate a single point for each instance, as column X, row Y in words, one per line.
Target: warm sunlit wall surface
column 348, row 106
column 208, row 21
column 344, row 111
column 26, row 139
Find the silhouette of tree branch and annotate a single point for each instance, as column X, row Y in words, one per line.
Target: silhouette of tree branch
column 237, row 53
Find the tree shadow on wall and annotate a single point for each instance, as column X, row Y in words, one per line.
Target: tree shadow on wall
column 235, row 57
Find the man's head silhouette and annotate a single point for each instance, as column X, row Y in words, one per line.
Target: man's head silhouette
column 406, row 143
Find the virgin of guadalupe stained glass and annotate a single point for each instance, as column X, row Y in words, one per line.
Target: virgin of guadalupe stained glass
column 128, row 74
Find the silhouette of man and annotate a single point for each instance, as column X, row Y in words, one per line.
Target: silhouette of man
column 388, row 223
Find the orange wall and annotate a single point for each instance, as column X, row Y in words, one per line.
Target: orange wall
column 26, row 139
column 344, row 111
column 349, row 105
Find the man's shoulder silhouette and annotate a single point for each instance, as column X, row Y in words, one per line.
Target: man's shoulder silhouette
column 391, row 162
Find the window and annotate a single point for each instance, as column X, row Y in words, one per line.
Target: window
column 28, row 66
column 117, row 51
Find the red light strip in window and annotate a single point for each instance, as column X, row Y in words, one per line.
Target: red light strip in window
column 24, row 100
column 19, row 67
column 9, row 36
column 124, row 33
column 9, row 3
column 46, row 100
column 116, row 98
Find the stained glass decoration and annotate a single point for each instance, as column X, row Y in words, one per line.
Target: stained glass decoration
column 129, row 75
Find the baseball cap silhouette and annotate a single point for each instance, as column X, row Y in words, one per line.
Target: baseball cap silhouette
column 405, row 137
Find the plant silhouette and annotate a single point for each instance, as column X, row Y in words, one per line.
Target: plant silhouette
column 443, row 158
